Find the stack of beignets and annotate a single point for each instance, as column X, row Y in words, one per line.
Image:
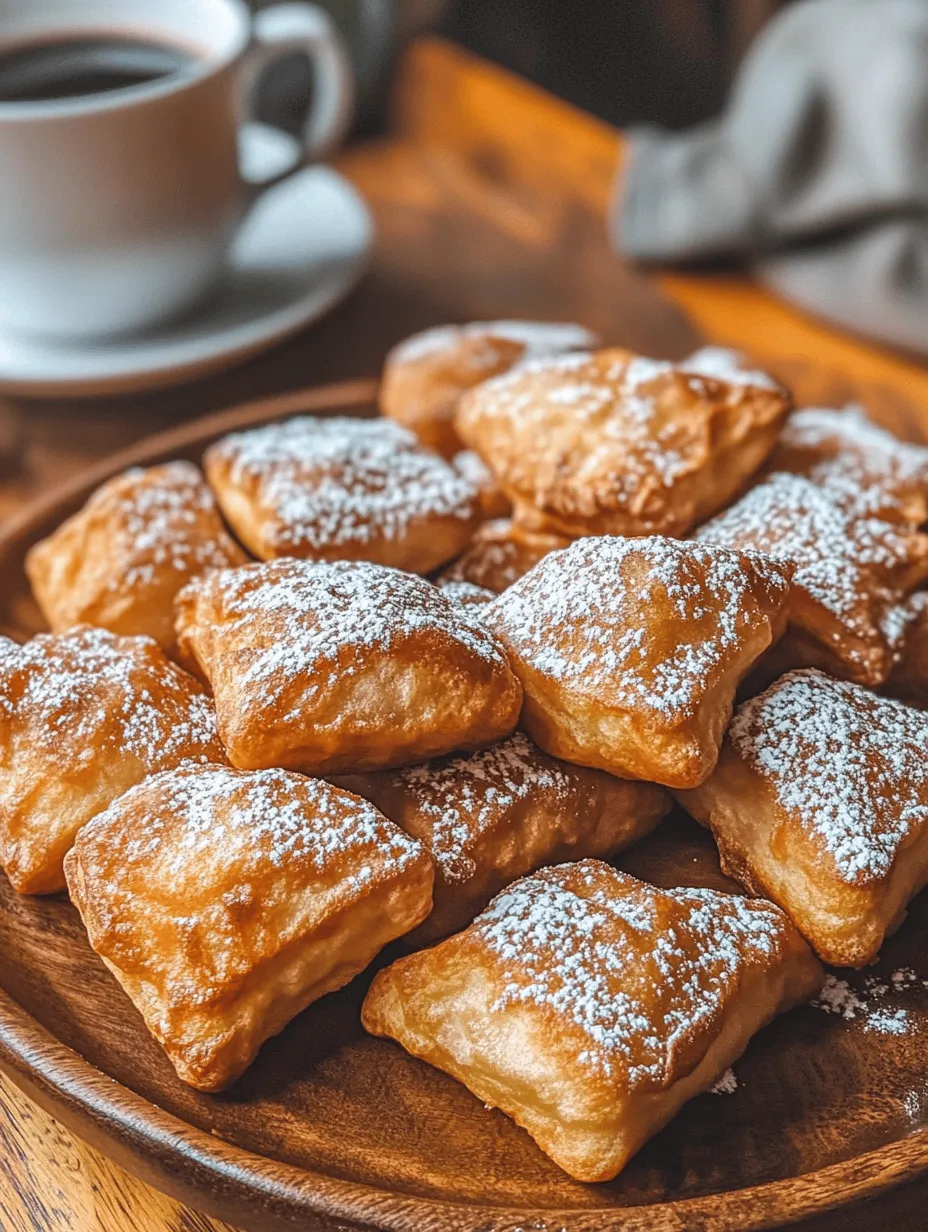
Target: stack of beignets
column 499, row 658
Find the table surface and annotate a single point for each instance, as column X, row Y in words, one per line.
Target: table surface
column 489, row 198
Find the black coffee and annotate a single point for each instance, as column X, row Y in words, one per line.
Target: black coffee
column 75, row 68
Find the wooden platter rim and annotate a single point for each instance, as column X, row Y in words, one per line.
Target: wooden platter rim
column 263, row 1194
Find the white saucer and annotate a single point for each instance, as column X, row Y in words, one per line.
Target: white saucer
column 300, row 251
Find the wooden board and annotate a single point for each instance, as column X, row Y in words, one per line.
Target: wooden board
column 331, row 1129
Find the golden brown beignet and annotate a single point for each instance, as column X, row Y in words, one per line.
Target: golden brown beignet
column 630, row 650
column 820, row 803
column 339, row 667
column 500, row 553
column 863, row 466
column 425, row 375
column 907, row 632
column 615, row 444
column 120, row 561
column 851, row 570
column 84, row 716
column 225, row 902
column 590, row 1007
column 502, row 812
column 343, row 489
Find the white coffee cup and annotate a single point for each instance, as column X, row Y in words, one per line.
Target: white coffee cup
column 117, row 209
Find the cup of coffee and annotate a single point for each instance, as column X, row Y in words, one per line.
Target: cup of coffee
column 121, row 187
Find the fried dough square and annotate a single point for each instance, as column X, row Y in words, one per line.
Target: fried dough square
column 425, row 375
column 343, row 489
column 330, row 668
column 120, row 561
column 820, row 803
column 630, row 650
column 851, row 571
column 501, row 552
column 616, row 444
column 863, row 466
column 84, row 716
column 225, row 902
column 502, row 812
column 590, row 1006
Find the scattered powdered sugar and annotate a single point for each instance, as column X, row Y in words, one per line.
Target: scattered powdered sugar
column 249, row 820
column 330, row 483
column 537, row 337
column 723, row 364
column 855, row 567
column 726, row 1085
column 163, row 517
column 868, row 1003
column 652, row 620
column 899, row 621
column 465, row 594
column 635, row 969
column 315, row 621
column 837, row 997
column 462, row 798
column 858, row 461
column 87, row 689
column 851, row 766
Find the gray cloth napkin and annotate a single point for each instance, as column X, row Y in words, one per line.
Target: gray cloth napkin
column 817, row 173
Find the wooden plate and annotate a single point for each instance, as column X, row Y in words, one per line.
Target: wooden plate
column 330, row 1129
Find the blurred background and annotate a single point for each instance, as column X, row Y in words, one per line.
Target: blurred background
column 668, row 62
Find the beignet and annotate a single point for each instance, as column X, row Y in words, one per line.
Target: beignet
column 862, row 465
column 615, row 444
column 225, row 902
column 84, row 716
column 120, row 561
column 329, row 668
column 590, row 1006
column 500, row 553
column 630, row 650
column 502, row 812
column 851, row 571
column 820, row 803
column 424, row 376
column 343, row 489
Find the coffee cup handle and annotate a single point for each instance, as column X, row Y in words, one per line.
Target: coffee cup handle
column 281, row 30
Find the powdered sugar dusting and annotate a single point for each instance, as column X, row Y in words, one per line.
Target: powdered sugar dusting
column 87, row 689
column 860, row 463
column 161, row 518
column 634, row 969
column 874, row 1004
column 462, row 797
column 584, row 617
column 338, row 482
column 723, row 364
column 855, row 567
column 465, row 594
column 726, row 1085
column 314, row 621
column 851, row 766
column 253, row 819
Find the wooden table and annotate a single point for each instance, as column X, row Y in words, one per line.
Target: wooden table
column 489, row 198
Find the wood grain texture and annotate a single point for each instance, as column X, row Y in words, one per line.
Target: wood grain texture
column 489, row 200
